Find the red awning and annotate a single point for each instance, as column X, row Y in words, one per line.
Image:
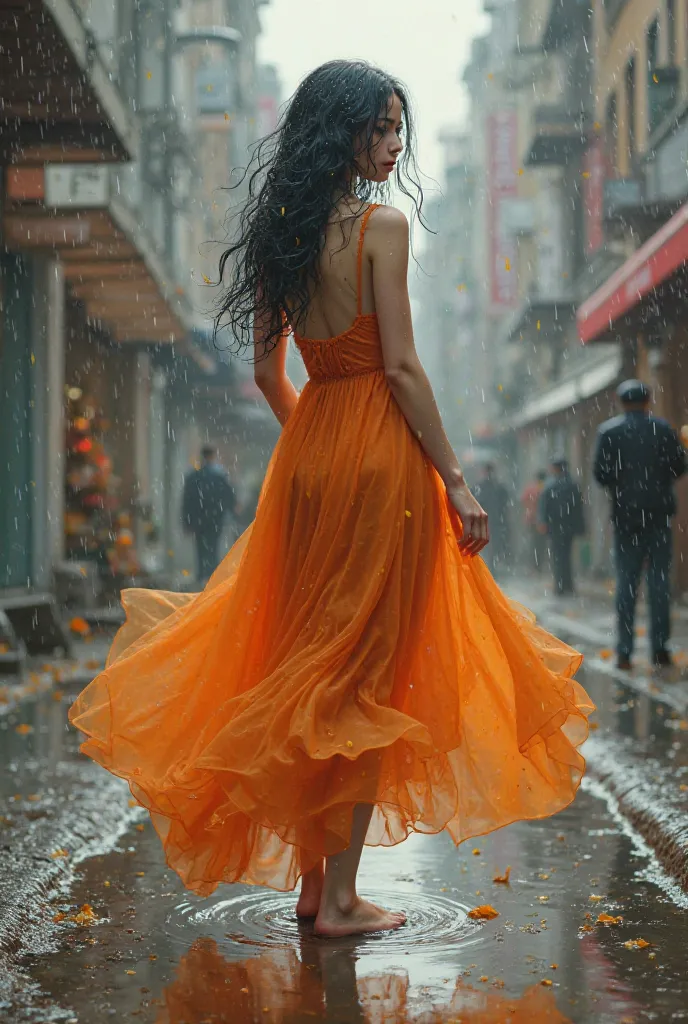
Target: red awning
column 647, row 268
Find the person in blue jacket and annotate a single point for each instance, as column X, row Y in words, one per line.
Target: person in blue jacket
column 638, row 457
column 208, row 501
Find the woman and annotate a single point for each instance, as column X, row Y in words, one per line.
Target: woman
column 351, row 673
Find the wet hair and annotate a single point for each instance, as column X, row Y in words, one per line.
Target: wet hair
column 296, row 177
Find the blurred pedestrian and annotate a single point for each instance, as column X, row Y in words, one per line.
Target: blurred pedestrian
column 208, row 502
column 536, row 540
column 561, row 518
column 637, row 459
column 494, row 498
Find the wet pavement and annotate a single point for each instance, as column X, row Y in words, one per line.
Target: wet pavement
column 112, row 933
column 156, row 953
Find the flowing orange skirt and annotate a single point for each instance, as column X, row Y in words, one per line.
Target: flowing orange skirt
column 344, row 652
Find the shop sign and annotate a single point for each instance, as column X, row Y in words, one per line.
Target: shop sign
column 593, row 194
column 502, row 140
column 86, row 186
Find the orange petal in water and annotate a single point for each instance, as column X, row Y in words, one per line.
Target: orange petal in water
column 503, row 879
column 85, row 915
column 483, row 913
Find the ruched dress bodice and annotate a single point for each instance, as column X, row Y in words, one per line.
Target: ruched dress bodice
column 354, row 353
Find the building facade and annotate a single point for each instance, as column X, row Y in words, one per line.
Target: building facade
column 110, row 161
column 578, row 153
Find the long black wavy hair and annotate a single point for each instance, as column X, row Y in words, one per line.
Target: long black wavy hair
column 296, row 177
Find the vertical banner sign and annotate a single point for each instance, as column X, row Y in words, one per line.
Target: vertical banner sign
column 593, row 194
column 552, row 250
column 268, row 115
column 502, row 127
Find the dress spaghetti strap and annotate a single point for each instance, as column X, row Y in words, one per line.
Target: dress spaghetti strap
column 359, row 260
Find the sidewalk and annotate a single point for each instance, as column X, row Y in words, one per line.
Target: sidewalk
column 638, row 748
column 588, row 621
column 56, row 807
column 49, row 672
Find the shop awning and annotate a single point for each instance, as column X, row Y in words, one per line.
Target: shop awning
column 537, row 313
column 58, row 83
column 648, row 268
column 589, row 380
column 109, row 259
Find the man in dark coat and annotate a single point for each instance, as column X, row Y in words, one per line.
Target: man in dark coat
column 637, row 459
column 561, row 517
column 494, row 498
column 208, row 500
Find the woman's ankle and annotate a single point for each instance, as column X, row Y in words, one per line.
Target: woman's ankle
column 342, row 901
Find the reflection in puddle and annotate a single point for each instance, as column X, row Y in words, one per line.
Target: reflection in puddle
column 320, row 984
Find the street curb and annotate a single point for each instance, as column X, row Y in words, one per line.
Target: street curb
column 91, row 818
column 658, row 813
column 87, row 811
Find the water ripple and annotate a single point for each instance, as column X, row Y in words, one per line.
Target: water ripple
column 254, row 917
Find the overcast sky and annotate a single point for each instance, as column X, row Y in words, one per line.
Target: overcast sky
column 423, row 42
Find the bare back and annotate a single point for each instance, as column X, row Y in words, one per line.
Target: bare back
column 335, row 306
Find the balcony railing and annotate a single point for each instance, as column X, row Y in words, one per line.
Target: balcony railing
column 621, row 195
column 666, row 171
column 558, row 133
column 662, row 91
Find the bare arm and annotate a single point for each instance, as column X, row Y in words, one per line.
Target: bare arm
column 388, row 246
column 271, row 377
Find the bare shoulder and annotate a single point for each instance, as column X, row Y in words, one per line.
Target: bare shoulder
column 388, row 232
column 386, row 220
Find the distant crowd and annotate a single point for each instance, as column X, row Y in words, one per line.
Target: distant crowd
column 638, row 458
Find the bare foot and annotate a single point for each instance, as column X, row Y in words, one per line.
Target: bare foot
column 311, row 891
column 332, row 922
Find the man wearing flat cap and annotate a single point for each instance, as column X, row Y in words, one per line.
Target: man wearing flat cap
column 637, row 459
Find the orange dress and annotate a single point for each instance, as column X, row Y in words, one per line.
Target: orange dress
column 344, row 652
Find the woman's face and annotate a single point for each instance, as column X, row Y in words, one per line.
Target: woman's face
column 378, row 164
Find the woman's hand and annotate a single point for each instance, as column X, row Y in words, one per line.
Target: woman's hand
column 476, row 533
